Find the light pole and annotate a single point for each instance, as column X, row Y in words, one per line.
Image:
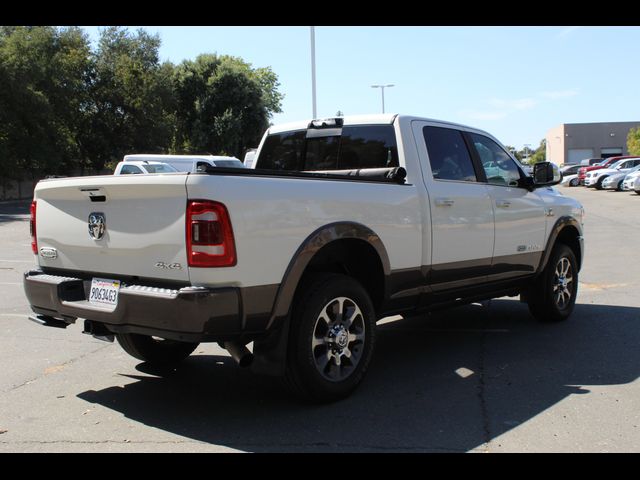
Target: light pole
column 313, row 70
column 382, row 87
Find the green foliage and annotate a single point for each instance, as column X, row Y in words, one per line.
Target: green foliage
column 131, row 98
column 223, row 105
column 633, row 141
column 42, row 95
column 540, row 155
column 64, row 106
column 515, row 153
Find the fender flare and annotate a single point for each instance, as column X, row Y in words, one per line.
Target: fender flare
column 560, row 225
column 306, row 251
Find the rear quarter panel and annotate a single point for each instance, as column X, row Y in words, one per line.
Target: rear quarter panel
column 271, row 217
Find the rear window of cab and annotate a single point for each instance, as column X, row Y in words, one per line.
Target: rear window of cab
column 347, row 148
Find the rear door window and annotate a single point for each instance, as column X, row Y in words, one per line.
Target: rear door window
column 448, row 155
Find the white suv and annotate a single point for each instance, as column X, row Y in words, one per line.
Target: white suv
column 596, row 177
column 143, row 167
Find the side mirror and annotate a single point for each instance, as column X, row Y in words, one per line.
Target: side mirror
column 546, row 174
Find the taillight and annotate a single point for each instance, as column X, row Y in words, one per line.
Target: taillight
column 32, row 228
column 210, row 241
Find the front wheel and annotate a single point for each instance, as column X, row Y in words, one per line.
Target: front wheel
column 332, row 338
column 574, row 182
column 156, row 351
column 553, row 294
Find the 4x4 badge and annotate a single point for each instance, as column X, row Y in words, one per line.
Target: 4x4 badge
column 97, row 225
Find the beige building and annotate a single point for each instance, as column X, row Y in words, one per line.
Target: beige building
column 572, row 142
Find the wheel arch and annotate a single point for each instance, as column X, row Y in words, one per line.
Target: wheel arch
column 341, row 247
column 566, row 230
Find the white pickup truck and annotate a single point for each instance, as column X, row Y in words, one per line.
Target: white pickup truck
column 339, row 223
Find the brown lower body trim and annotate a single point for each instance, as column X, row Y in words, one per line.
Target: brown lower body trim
column 409, row 287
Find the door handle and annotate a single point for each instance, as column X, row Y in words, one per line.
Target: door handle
column 503, row 203
column 444, row 202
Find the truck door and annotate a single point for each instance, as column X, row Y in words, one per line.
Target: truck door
column 462, row 226
column 519, row 214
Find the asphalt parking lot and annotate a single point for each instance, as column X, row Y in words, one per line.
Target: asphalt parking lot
column 480, row 378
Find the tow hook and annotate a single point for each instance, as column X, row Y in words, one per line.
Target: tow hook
column 98, row 331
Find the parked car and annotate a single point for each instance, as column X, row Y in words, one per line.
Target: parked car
column 143, row 167
column 614, row 181
column 303, row 255
column 570, row 181
column 636, row 185
column 591, row 161
column 630, row 180
column 582, row 172
column 570, row 170
column 189, row 163
column 596, row 177
column 249, row 157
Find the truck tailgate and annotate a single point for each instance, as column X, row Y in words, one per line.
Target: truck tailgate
column 144, row 219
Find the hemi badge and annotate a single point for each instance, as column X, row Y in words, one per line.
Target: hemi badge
column 48, row 252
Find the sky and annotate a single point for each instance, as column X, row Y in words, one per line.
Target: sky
column 514, row 82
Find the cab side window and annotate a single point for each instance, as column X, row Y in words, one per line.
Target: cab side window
column 129, row 169
column 202, row 166
column 498, row 165
column 448, row 155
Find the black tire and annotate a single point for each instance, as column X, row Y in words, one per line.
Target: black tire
column 155, row 351
column 318, row 299
column 574, row 182
column 599, row 183
column 552, row 297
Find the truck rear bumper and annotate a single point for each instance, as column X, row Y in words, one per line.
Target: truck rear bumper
column 188, row 314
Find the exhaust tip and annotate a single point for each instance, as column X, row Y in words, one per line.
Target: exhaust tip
column 246, row 360
column 240, row 353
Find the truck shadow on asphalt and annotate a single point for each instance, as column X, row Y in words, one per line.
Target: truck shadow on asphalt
column 14, row 211
column 451, row 381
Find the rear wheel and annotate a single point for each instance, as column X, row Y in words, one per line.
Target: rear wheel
column 553, row 295
column 157, row 351
column 574, row 182
column 332, row 338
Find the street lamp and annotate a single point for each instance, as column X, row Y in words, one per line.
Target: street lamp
column 313, row 71
column 382, row 87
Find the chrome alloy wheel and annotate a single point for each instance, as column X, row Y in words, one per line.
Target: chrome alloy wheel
column 562, row 283
column 338, row 339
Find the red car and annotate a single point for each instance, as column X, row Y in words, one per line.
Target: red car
column 582, row 172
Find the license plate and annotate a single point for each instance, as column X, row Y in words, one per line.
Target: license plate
column 104, row 292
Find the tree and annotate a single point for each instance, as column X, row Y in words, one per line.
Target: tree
column 131, row 98
column 515, row 152
column 633, row 141
column 42, row 90
column 540, row 155
column 223, row 105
